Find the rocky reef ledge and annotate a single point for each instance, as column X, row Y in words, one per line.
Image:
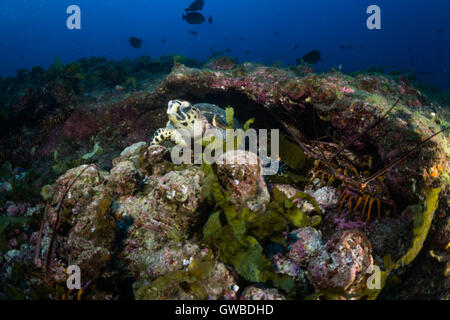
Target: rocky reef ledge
column 81, row 186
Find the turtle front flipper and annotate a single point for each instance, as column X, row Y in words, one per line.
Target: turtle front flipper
column 161, row 135
column 164, row 134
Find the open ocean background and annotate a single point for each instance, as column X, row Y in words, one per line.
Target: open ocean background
column 33, row 32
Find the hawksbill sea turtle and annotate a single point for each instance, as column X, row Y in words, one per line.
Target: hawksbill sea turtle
column 185, row 116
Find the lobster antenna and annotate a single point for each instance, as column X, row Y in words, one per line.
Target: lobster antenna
column 55, row 228
column 373, row 125
column 402, row 158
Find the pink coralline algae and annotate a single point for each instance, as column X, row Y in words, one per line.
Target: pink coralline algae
column 343, row 265
column 307, row 245
column 255, row 293
column 79, row 126
column 347, row 90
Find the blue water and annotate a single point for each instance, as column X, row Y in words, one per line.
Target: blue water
column 33, row 32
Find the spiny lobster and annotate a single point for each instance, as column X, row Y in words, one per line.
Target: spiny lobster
column 361, row 189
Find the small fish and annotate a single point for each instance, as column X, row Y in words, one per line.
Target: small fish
column 276, row 33
column 135, row 42
column 441, row 31
column 210, row 20
column 192, row 32
column 197, row 5
column 311, row 57
column 296, row 47
column 194, row 18
column 343, row 47
column 242, row 39
column 248, row 52
column 163, row 39
column 351, row 47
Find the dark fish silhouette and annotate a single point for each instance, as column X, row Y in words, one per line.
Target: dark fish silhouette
column 441, row 31
column 163, row 39
column 276, row 33
column 351, row 47
column 135, row 42
column 343, row 47
column 192, row 32
column 296, row 47
column 311, row 57
column 242, row 39
column 248, row 52
column 197, row 5
column 210, row 20
column 194, row 18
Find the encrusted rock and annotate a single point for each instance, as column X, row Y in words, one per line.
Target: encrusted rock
column 255, row 293
column 240, row 172
column 134, row 149
column 167, row 212
column 343, row 265
column 124, row 179
column 182, row 188
column 156, row 154
column 89, row 230
column 174, row 256
column 308, row 243
column 186, row 273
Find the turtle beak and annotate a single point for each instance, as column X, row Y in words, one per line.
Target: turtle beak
column 172, row 110
column 173, row 107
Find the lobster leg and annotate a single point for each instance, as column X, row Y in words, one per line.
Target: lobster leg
column 350, row 204
column 366, row 200
column 358, row 203
column 346, row 194
column 369, row 210
column 379, row 208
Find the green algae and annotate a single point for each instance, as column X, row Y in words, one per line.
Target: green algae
column 61, row 166
column 238, row 234
column 422, row 216
column 198, row 271
column 293, row 155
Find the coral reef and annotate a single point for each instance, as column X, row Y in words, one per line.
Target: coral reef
column 80, row 185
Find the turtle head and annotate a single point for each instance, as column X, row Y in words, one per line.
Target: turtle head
column 181, row 113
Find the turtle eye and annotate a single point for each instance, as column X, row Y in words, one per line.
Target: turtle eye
column 185, row 107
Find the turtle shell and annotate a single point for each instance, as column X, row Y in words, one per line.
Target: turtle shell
column 209, row 111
